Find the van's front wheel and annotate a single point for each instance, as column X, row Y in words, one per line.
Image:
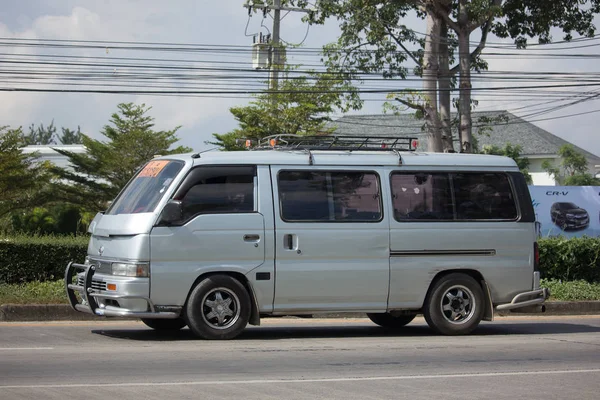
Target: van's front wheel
column 218, row 308
column 454, row 305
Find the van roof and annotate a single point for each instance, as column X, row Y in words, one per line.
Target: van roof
column 332, row 157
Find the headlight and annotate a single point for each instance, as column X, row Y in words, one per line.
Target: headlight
column 134, row 270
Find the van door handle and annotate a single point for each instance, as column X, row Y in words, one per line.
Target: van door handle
column 251, row 238
column 288, row 241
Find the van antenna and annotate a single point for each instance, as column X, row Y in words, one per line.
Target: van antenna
column 197, row 155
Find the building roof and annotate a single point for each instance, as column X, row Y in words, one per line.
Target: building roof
column 47, row 152
column 534, row 140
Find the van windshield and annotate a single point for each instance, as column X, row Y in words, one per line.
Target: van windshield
column 145, row 190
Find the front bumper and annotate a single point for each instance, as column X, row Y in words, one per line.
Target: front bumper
column 534, row 297
column 94, row 300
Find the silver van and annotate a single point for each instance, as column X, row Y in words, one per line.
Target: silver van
column 217, row 240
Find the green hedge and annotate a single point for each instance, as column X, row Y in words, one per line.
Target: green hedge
column 39, row 258
column 43, row 258
column 570, row 259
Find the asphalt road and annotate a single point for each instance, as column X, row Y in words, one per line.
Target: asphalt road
column 511, row 358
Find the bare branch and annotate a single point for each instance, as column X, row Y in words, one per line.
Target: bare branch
column 409, row 104
column 484, row 33
column 444, row 16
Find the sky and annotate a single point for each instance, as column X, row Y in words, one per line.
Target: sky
column 226, row 23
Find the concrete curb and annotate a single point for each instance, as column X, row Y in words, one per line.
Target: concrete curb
column 41, row 312
column 63, row 312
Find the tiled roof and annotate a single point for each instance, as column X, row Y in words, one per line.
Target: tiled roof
column 517, row 131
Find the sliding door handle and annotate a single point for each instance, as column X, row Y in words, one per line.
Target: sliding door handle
column 251, row 238
column 290, row 241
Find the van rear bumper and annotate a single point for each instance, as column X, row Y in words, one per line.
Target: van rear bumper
column 531, row 298
column 90, row 297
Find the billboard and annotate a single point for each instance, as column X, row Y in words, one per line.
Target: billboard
column 569, row 211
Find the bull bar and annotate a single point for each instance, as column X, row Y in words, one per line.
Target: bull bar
column 89, row 295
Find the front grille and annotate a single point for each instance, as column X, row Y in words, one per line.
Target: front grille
column 96, row 283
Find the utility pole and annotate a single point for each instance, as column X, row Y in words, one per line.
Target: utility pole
column 276, row 62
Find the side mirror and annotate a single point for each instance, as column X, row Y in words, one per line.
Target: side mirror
column 172, row 213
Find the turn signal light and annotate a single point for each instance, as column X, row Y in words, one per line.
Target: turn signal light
column 111, row 286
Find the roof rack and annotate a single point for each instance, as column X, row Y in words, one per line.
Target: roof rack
column 334, row 142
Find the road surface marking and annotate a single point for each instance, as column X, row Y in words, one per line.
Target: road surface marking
column 318, row 380
column 25, row 348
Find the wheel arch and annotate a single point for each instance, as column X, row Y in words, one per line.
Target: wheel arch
column 254, row 313
column 488, row 314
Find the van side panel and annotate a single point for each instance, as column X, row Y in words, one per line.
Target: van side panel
column 419, row 251
column 501, row 251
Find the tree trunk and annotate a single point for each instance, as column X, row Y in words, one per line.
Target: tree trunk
column 464, row 55
column 444, row 85
column 430, row 76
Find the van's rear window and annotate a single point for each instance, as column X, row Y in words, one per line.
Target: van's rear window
column 145, row 190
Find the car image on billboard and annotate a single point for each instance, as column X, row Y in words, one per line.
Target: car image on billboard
column 569, row 216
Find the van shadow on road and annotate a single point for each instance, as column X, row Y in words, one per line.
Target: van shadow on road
column 319, row 332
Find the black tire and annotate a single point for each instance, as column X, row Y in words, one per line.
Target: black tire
column 454, row 305
column 218, row 308
column 389, row 321
column 165, row 324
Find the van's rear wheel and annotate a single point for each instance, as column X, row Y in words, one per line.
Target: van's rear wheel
column 454, row 305
column 218, row 308
column 165, row 324
column 390, row 321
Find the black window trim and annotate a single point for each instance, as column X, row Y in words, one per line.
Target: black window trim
column 177, row 193
column 364, row 171
column 451, row 183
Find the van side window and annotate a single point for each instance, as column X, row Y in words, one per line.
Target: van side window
column 422, row 196
column 222, row 189
column 483, row 196
column 452, row 197
column 329, row 196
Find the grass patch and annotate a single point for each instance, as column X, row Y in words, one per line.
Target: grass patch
column 53, row 292
column 571, row 291
column 49, row 292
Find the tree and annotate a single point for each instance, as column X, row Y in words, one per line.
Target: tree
column 301, row 105
column 57, row 219
column 513, row 152
column 70, row 136
column 22, row 176
column 47, row 135
column 374, row 40
column 98, row 175
column 41, row 135
column 572, row 170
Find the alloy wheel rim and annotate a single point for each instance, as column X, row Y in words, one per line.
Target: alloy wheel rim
column 220, row 308
column 458, row 304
